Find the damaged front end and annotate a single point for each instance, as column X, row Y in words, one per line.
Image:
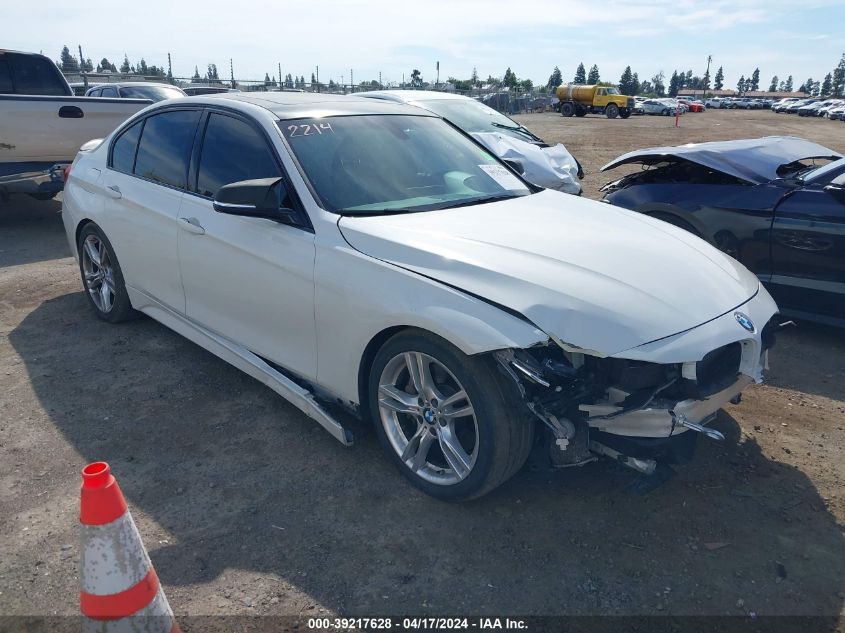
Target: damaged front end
column 643, row 414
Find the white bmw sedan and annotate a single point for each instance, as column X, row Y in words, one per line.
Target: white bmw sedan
column 368, row 254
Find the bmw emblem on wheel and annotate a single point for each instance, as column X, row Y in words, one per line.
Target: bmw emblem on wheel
column 744, row 321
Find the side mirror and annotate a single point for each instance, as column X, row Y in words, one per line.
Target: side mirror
column 836, row 188
column 260, row 198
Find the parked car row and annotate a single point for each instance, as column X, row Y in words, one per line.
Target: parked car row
column 738, row 103
column 813, row 107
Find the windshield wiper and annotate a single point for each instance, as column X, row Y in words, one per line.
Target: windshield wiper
column 467, row 203
column 519, row 128
column 373, row 212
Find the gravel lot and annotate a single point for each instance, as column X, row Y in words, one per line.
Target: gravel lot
column 247, row 507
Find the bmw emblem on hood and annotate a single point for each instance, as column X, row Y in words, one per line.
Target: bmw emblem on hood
column 744, row 321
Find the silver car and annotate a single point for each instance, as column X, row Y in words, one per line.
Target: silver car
column 656, row 106
column 552, row 167
column 136, row 90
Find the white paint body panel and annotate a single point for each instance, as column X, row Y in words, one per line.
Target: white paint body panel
column 594, row 276
column 551, row 167
column 32, row 131
column 251, row 280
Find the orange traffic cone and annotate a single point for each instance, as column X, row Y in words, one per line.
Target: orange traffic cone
column 120, row 589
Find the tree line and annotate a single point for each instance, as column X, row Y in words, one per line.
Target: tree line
column 833, row 84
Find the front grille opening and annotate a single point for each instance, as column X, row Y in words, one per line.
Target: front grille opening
column 718, row 369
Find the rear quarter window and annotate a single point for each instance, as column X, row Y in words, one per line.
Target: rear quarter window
column 36, row 75
column 125, row 147
column 165, row 147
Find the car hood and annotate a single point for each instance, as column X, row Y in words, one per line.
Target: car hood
column 590, row 275
column 550, row 167
column 754, row 160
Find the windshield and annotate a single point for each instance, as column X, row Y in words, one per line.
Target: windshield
column 820, row 173
column 612, row 91
column 154, row 93
column 474, row 117
column 378, row 164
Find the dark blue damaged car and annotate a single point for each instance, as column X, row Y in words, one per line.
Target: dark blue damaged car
column 777, row 204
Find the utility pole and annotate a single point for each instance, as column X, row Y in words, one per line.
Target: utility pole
column 438, row 75
column 379, row 80
column 318, row 79
column 280, row 76
column 232, row 73
column 169, row 68
column 81, row 67
column 352, row 80
column 707, row 74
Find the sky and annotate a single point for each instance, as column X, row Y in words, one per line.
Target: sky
column 391, row 37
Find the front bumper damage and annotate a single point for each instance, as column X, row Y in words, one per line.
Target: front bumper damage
column 637, row 411
column 684, row 416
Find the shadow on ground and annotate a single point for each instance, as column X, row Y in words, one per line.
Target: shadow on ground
column 242, row 480
column 824, row 347
column 32, row 231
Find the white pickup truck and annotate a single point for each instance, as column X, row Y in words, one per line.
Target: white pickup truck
column 42, row 125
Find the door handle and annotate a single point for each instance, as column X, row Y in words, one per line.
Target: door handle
column 71, row 112
column 192, row 225
column 113, row 191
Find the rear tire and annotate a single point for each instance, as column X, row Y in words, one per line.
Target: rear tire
column 102, row 277
column 493, row 432
column 567, row 109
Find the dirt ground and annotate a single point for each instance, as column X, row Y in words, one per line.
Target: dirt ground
column 247, row 507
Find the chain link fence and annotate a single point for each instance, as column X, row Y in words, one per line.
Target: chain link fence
column 514, row 100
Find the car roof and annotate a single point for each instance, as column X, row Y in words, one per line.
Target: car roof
column 408, row 96
column 298, row 105
column 126, row 84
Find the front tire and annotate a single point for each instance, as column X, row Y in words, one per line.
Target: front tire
column 102, row 277
column 454, row 425
column 611, row 111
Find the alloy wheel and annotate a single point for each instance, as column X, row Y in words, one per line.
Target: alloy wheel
column 98, row 273
column 428, row 418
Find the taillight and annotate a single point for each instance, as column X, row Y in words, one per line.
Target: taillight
column 66, row 172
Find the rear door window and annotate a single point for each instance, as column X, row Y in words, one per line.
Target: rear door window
column 109, row 92
column 36, row 75
column 165, row 147
column 232, row 151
